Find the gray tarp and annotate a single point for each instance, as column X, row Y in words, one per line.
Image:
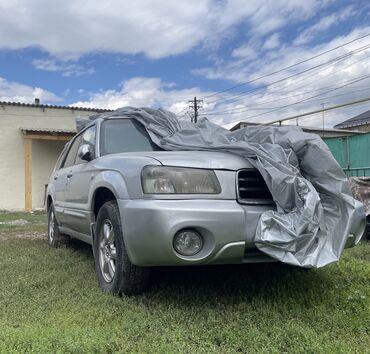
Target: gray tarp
column 315, row 208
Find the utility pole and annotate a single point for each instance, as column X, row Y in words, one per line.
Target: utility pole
column 323, row 117
column 195, row 105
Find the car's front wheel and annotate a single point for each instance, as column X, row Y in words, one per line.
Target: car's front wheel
column 116, row 273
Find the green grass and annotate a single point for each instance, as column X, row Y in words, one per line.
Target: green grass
column 36, row 221
column 50, row 302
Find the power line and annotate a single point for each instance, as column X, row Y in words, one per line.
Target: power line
column 295, row 103
column 233, row 98
column 361, row 78
column 295, row 88
column 251, row 108
column 328, row 114
column 304, row 100
column 288, row 67
column 230, row 98
column 183, row 117
column 318, row 111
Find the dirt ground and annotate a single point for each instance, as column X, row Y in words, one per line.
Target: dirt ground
column 22, row 235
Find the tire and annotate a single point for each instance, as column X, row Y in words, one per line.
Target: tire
column 55, row 238
column 366, row 235
column 116, row 274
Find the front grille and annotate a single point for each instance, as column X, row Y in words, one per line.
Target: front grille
column 252, row 188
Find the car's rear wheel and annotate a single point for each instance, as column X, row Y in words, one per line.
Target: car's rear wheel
column 366, row 235
column 116, row 274
column 55, row 238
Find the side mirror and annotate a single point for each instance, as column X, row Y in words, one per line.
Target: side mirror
column 85, row 152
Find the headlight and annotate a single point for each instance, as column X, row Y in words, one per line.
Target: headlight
column 178, row 180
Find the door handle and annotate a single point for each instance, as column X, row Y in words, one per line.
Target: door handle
column 70, row 174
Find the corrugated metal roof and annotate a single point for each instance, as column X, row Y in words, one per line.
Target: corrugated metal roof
column 361, row 119
column 20, row 104
column 49, row 130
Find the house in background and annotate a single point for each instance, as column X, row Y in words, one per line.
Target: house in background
column 360, row 122
column 31, row 138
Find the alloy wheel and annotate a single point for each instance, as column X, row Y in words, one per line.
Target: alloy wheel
column 107, row 251
column 51, row 226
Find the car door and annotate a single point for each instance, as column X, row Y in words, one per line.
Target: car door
column 59, row 183
column 80, row 176
column 61, row 178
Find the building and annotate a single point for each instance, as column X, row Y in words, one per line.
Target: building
column 31, row 138
column 324, row 133
column 360, row 122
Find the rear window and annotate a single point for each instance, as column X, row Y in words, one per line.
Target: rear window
column 125, row 135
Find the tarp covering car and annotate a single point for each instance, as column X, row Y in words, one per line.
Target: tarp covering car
column 315, row 212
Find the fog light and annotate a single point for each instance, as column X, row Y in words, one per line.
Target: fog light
column 187, row 242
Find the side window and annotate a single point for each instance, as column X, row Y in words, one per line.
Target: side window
column 61, row 158
column 88, row 137
column 71, row 156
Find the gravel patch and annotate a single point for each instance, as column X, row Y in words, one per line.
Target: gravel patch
column 24, row 235
column 14, row 222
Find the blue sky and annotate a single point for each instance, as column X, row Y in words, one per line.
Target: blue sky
column 161, row 54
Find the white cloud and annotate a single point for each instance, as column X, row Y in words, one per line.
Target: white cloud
column 143, row 91
column 272, row 42
column 67, row 68
column 16, row 92
column 69, row 29
column 271, row 15
column 324, row 24
column 257, row 104
column 245, row 52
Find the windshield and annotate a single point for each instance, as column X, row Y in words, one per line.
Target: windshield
column 125, row 135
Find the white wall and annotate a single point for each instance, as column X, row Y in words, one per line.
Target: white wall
column 45, row 153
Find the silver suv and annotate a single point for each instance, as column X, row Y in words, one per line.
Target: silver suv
column 140, row 206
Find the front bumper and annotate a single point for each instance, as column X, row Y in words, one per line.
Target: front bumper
column 228, row 230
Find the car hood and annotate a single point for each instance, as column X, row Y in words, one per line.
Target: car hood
column 199, row 159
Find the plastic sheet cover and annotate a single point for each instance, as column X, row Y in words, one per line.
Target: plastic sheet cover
column 316, row 211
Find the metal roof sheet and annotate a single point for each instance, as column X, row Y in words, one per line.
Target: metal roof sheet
column 49, row 130
column 361, row 119
column 20, row 104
